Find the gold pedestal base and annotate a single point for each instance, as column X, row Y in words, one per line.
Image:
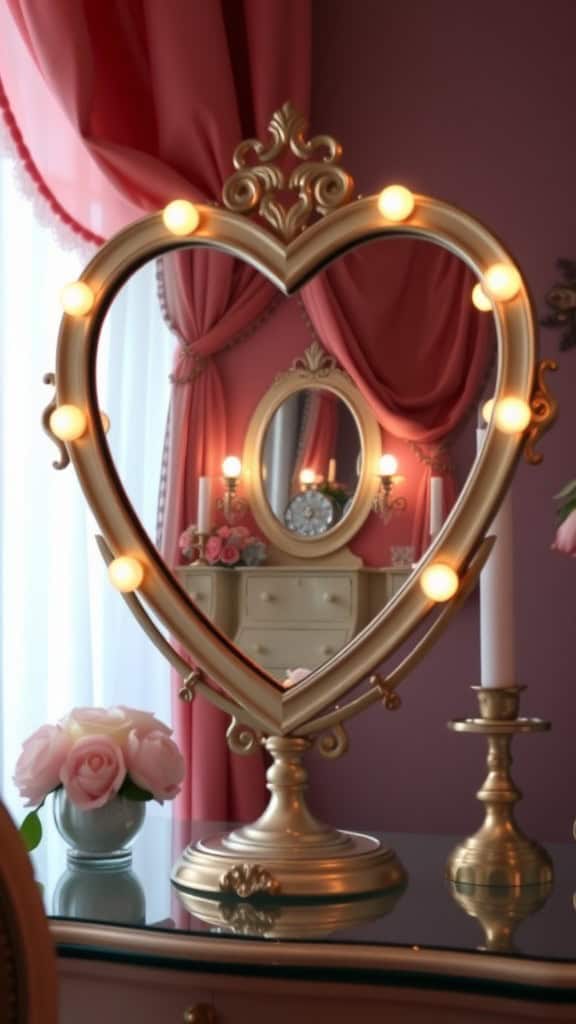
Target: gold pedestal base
column 499, row 854
column 287, row 853
column 500, row 909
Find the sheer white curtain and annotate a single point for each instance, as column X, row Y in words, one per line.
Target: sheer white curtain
column 66, row 637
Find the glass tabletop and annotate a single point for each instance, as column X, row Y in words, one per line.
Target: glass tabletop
column 428, row 913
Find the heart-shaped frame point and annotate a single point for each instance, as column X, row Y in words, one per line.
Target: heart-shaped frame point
column 259, row 700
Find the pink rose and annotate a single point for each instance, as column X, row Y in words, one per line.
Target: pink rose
column 213, row 549
column 295, row 675
column 143, row 721
column 155, row 764
column 223, row 531
column 229, row 555
column 112, row 722
column 38, row 767
column 93, row 771
column 566, row 536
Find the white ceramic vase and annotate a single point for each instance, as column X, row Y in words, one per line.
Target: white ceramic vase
column 103, row 834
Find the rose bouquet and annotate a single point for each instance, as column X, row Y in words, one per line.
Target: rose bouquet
column 96, row 754
column 227, row 546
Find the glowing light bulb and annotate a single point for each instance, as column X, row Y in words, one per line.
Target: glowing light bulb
column 501, row 282
column 512, row 415
column 307, row 477
column 396, row 202
column 125, row 573
column 77, row 298
column 105, row 420
column 68, row 422
column 181, row 217
column 439, row 582
column 480, row 299
column 387, row 465
column 231, row 467
column 488, row 409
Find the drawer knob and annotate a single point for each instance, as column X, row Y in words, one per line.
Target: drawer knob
column 266, row 596
column 258, row 648
column 202, row 1013
column 329, row 598
column 327, row 649
column 196, row 595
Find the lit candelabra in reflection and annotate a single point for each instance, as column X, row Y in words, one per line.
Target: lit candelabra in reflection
column 384, row 505
column 232, row 506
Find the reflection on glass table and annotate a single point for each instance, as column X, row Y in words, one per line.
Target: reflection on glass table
column 428, row 914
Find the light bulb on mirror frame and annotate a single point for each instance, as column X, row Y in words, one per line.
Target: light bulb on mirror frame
column 180, row 217
column 125, row 573
column 396, row 203
column 68, row 422
column 233, row 507
column 501, row 282
column 384, row 505
column 512, row 415
column 77, row 298
column 440, row 582
column 105, row 421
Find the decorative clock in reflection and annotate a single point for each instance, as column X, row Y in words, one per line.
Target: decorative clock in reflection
column 310, row 513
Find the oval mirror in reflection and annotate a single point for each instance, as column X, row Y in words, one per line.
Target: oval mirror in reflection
column 293, row 473
column 311, row 460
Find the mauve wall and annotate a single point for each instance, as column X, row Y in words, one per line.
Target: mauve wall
column 473, row 104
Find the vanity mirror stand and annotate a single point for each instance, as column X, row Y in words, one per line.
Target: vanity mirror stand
column 287, row 854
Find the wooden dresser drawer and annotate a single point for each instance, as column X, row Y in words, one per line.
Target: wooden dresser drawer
column 200, row 587
column 298, row 597
column 291, row 648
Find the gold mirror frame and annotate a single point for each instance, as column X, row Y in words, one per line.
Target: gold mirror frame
column 287, row 851
column 289, row 258
column 314, row 370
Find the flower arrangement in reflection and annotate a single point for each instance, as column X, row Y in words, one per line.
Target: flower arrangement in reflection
column 227, row 546
column 565, row 540
column 96, row 754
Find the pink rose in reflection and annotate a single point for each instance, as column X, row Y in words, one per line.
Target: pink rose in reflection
column 155, row 764
column 213, row 549
column 223, row 531
column 93, row 771
column 37, row 770
column 293, row 676
column 229, row 555
column 566, row 536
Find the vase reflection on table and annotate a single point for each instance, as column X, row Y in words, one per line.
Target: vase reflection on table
column 100, row 890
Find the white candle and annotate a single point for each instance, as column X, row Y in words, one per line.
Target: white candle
column 497, row 646
column 331, row 471
column 204, row 489
column 436, row 505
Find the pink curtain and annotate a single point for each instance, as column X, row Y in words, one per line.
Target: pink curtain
column 398, row 316
column 153, row 98
column 320, row 432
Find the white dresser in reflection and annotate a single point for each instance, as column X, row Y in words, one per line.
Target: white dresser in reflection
column 286, row 617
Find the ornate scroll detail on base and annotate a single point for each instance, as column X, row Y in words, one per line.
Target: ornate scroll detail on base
column 245, row 880
column 544, row 411
column 287, row 852
column 319, row 183
column 499, row 854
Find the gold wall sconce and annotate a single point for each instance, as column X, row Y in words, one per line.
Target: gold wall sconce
column 384, row 505
column 232, row 506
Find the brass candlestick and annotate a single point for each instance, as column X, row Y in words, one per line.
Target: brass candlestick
column 500, row 910
column 199, row 545
column 499, row 854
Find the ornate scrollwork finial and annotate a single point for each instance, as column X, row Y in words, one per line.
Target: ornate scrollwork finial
column 241, row 739
column 544, row 409
column 64, row 460
column 314, row 362
column 319, row 183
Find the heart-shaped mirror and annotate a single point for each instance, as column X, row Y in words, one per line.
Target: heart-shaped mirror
column 317, row 472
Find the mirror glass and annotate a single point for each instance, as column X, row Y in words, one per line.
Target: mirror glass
column 397, row 316
column 311, row 461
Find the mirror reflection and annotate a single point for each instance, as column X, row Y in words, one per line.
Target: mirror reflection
column 311, row 460
column 395, row 320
